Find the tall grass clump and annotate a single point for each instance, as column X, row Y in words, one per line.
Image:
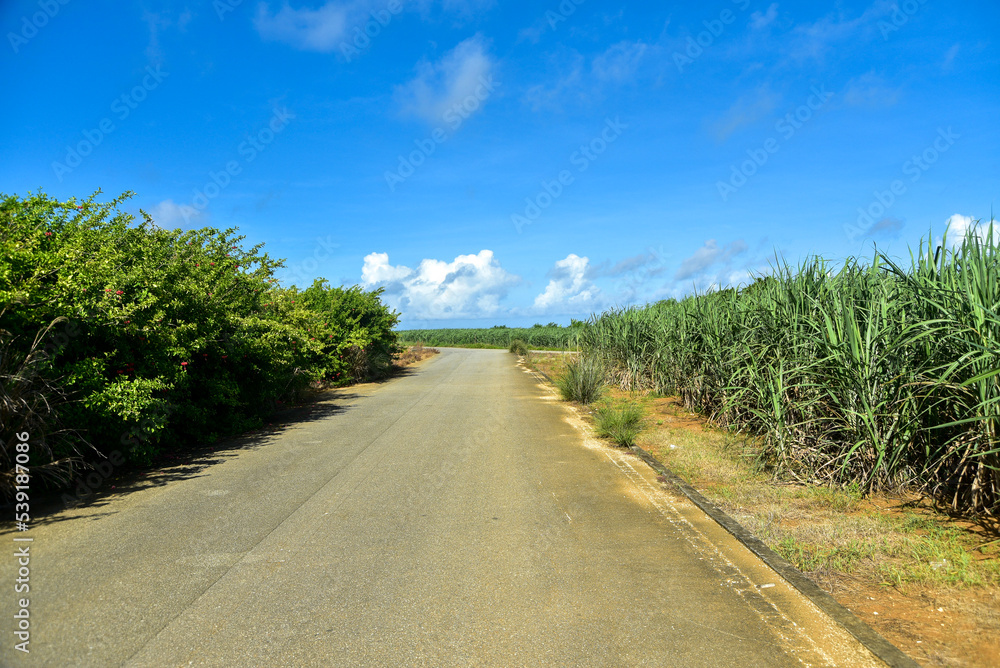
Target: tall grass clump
column 878, row 373
column 621, row 423
column 583, row 380
column 518, row 347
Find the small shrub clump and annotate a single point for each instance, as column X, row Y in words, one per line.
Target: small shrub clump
column 519, row 347
column 582, row 381
column 622, row 424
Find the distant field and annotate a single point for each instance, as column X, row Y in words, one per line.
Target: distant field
column 539, row 338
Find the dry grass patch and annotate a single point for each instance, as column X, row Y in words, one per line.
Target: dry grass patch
column 414, row 354
column 891, row 555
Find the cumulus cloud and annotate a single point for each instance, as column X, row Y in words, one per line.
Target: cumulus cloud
column 463, row 73
column 321, row 29
column 570, row 289
column 471, row 286
column 959, row 226
column 170, row 215
column 709, row 255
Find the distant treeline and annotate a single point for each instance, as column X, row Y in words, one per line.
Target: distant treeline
column 550, row 336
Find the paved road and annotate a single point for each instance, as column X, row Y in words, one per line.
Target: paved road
column 454, row 517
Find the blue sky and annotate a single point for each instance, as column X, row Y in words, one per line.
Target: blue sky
column 510, row 163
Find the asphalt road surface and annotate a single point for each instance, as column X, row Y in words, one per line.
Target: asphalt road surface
column 457, row 516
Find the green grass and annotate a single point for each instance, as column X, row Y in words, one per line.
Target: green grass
column 582, row 380
column 871, row 373
column 621, row 423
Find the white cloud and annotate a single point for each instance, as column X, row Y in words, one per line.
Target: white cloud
column 321, row 29
column 569, row 290
column 959, row 226
column 462, row 74
column 619, row 62
column 747, row 110
column 169, row 215
column 949, row 58
column 709, row 255
column 471, row 286
column 566, row 74
column 759, row 21
column 813, row 40
column 870, row 90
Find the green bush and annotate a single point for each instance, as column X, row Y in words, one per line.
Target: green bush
column 583, row 380
column 622, row 424
column 518, row 347
column 160, row 337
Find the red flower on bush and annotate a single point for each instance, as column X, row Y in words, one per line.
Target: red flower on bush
column 119, row 292
column 48, row 234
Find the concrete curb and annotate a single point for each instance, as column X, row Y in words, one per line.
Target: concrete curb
column 866, row 635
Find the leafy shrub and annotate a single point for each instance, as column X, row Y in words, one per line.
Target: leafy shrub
column 519, row 347
column 583, row 380
column 160, row 337
column 622, row 424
